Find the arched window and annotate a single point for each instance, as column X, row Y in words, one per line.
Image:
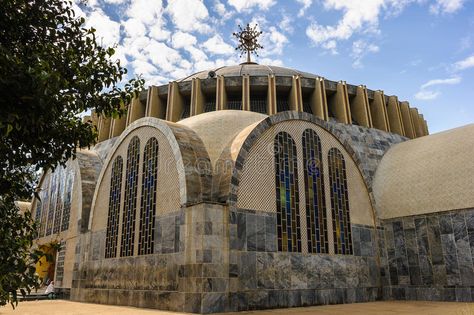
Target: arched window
column 316, row 222
column 44, row 206
column 59, row 201
column 287, row 195
column 114, row 208
column 130, row 201
column 339, row 203
column 68, row 198
column 148, row 198
column 52, row 202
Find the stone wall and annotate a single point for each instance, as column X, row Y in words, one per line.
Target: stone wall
column 430, row 257
column 144, row 281
column 369, row 146
column 261, row 277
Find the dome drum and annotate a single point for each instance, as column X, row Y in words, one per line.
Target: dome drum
column 269, row 90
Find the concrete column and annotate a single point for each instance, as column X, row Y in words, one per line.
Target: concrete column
column 221, row 95
column 339, row 104
column 104, row 128
column 296, row 97
column 394, row 116
column 378, row 112
column 95, row 119
column 415, row 117
column 155, row 107
column 136, row 110
column 318, row 100
column 118, row 126
column 408, row 126
column 245, row 92
column 422, row 124
column 360, row 107
column 425, row 126
column 197, row 98
column 271, row 96
column 175, row 105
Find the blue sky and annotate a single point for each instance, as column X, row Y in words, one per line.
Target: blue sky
column 420, row 50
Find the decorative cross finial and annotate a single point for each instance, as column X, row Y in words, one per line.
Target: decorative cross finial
column 248, row 41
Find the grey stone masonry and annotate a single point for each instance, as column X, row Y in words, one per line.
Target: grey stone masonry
column 261, row 277
column 430, row 257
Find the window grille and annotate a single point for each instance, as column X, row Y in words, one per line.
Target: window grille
column 339, row 203
column 148, row 198
column 115, row 194
column 130, row 200
column 287, row 194
column 316, row 222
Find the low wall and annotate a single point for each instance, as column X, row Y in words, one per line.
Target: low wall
column 430, row 257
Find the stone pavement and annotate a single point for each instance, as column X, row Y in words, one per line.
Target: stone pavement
column 62, row 307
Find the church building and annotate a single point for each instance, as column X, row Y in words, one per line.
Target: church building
column 254, row 187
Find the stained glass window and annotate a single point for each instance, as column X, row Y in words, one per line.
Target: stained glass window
column 148, row 198
column 316, row 222
column 339, row 203
column 52, row 202
column 38, row 207
column 286, row 182
column 67, row 201
column 114, row 208
column 59, row 200
column 130, row 200
column 44, row 205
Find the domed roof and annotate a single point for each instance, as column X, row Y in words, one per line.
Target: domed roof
column 249, row 69
column 216, row 129
column 428, row 174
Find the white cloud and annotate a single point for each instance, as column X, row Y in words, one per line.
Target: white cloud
column 426, row 95
column 223, row 12
column 182, row 40
column 134, row 28
column 450, row 81
column 360, row 49
column 446, row 6
column 107, row 31
column 273, row 42
column 114, row 1
column 149, row 12
column 286, row 24
column 196, row 54
column 244, row 5
column 143, row 67
column 161, row 55
column 217, row 46
column 306, row 4
column 465, row 63
column 189, row 15
column 271, row 62
column 357, row 17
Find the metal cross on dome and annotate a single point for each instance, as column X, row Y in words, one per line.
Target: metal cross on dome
column 248, row 40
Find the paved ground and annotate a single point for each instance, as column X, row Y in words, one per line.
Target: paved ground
column 57, row 307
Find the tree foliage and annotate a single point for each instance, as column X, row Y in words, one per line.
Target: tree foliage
column 52, row 69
